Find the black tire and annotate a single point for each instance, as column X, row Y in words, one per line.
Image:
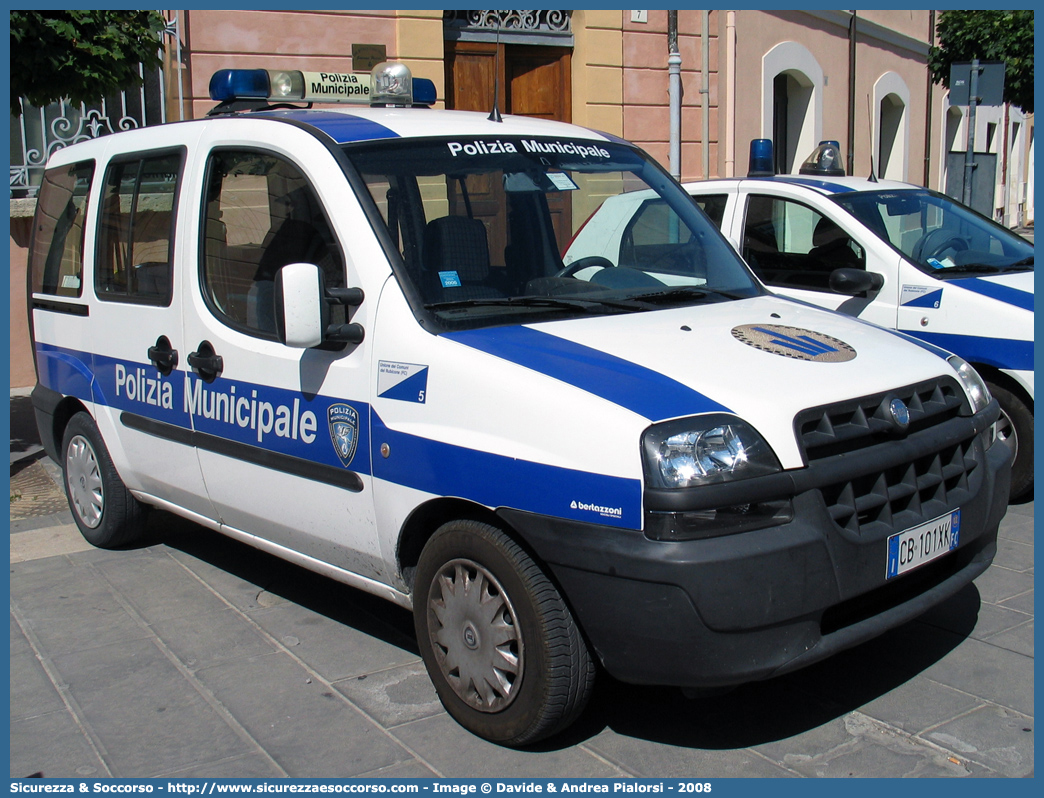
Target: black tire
column 1016, row 427
column 106, row 513
column 505, row 623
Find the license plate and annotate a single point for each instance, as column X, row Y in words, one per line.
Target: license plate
column 924, row 543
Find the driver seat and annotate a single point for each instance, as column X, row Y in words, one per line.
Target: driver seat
column 456, row 259
column 832, row 247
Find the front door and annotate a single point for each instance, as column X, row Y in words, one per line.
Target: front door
column 282, row 433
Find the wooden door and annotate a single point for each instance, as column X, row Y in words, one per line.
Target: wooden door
column 533, row 81
column 528, row 81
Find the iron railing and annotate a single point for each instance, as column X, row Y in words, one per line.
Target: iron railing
column 36, row 133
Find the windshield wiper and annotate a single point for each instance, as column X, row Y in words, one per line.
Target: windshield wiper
column 586, row 305
column 1019, row 264
column 685, row 292
column 967, row 268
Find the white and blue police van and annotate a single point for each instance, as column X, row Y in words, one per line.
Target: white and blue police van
column 349, row 338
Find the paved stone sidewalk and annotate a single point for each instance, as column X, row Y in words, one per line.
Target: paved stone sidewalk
column 197, row 656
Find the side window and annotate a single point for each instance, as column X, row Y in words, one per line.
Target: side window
column 714, row 206
column 57, row 254
column 790, row 245
column 261, row 213
column 136, row 229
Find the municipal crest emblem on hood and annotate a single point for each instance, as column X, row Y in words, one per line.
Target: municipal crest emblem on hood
column 344, row 431
column 794, row 342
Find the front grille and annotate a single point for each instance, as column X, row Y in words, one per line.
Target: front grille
column 905, row 495
column 855, row 424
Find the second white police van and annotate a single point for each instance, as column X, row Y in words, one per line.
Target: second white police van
column 348, row 337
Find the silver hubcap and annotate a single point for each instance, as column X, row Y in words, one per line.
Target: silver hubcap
column 83, row 481
column 475, row 635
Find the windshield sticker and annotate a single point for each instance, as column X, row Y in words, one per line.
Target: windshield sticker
column 568, row 148
column 531, row 145
column 449, row 279
column 344, row 431
column 480, row 147
column 562, row 181
column 406, row 382
column 794, row 342
column 920, row 296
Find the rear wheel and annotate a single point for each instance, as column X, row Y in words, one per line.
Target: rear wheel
column 500, row 645
column 104, row 510
column 1016, row 428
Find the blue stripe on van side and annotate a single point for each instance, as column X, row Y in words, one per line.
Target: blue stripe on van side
column 1002, row 293
column 248, row 417
column 494, row 480
column 641, row 390
column 998, row 352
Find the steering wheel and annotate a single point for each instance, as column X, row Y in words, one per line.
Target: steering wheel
column 583, row 263
column 937, row 242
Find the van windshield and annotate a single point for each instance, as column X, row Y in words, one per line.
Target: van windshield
column 494, row 231
column 941, row 236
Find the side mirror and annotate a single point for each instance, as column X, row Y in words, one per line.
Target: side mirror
column 300, row 305
column 853, row 282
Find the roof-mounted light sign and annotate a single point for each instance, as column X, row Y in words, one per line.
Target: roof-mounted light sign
column 389, row 83
column 824, row 161
column 392, row 84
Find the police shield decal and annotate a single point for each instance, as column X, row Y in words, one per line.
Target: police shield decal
column 344, row 431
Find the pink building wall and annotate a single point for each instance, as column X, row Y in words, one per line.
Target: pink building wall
column 646, row 111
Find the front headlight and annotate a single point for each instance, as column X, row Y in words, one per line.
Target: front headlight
column 705, row 450
column 973, row 384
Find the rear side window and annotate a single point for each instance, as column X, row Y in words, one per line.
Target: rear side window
column 57, row 259
column 714, row 206
column 136, row 229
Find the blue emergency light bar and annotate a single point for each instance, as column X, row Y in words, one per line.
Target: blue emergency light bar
column 761, row 162
column 825, row 160
column 389, row 83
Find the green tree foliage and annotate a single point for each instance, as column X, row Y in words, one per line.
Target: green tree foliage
column 81, row 55
column 989, row 36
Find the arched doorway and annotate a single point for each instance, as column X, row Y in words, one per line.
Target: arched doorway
column 891, row 127
column 791, row 103
column 892, row 152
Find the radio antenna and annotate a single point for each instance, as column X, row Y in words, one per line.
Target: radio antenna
column 494, row 115
column 870, row 123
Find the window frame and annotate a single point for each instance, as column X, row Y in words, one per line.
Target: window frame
column 35, row 267
column 759, row 269
column 201, row 246
column 100, row 240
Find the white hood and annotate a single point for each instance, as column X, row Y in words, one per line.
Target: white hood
column 702, row 349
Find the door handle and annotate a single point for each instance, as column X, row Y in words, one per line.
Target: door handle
column 163, row 356
column 206, row 363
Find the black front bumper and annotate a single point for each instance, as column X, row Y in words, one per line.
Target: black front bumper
column 748, row 606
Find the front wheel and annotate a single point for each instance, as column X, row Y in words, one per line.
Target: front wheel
column 500, row 645
column 104, row 510
column 1015, row 427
